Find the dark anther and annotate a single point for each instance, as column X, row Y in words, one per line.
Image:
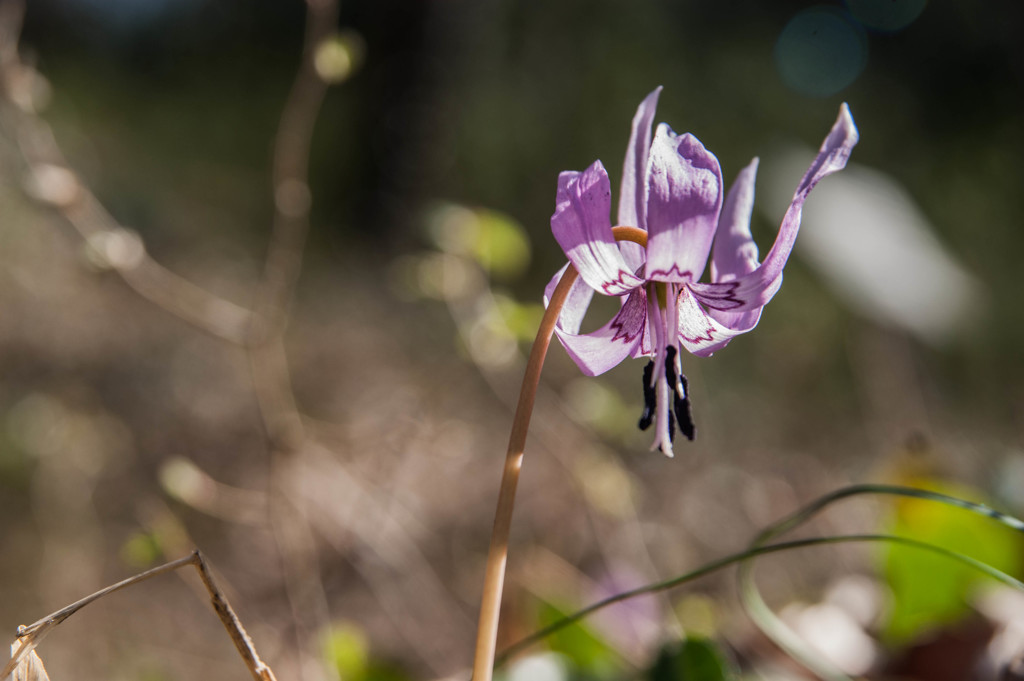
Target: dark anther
column 650, row 398
column 680, row 402
column 670, row 366
column 681, row 406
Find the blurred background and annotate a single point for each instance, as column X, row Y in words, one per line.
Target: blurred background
column 340, row 471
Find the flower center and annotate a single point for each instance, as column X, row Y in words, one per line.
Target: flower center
column 660, row 290
column 666, row 393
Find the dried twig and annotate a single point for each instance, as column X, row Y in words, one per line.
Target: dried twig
column 259, row 330
column 30, row 636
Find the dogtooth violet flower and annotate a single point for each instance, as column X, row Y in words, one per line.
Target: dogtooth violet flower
column 672, row 189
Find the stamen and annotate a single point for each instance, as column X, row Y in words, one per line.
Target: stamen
column 650, row 398
column 684, row 415
column 680, row 395
column 671, row 428
column 670, row 368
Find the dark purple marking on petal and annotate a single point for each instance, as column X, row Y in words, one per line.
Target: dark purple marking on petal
column 722, row 297
column 600, row 350
column 700, row 332
column 622, row 284
column 583, row 229
column 621, row 333
column 673, row 273
column 708, row 336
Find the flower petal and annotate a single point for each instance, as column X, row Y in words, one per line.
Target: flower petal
column 597, row 352
column 735, row 253
column 584, row 231
column 739, row 295
column 576, row 303
column 700, row 333
column 756, row 288
column 684, row 197
column 645, row 347
column 633, row 191
column 831, row 158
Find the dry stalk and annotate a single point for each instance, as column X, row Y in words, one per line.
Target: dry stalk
column 497, row 556
column 30, row 636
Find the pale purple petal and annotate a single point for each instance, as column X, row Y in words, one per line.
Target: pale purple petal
column 737, row 322
column 831, row 158
column 755, row 289
column 739, row 295
column 584, row 231
column 684, row 198
column 699, row 333
column 735, row 253
column 576, row 303
column 634, row 254
column 645, row 348
column 597, row 352
column 632, row 192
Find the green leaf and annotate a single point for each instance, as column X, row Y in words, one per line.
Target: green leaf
column 929, row 590
column 580, row 645
column 692, row 659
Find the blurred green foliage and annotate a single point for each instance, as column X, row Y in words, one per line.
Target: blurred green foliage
column 692, row 659
column 591, row 657
column 929, row 590
column 141, row 550
column 347, row 650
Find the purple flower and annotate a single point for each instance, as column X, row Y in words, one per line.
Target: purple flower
column 672, row 189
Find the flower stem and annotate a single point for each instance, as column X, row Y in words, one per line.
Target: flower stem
column 497, row 555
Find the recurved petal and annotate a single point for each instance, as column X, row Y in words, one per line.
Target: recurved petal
column 831, row 158
column 755, row 289
column 684, row 198
column 734, row 252
column 597, row 352
column 739, row 295
column 645, row 346
column 632, row 192
column 737, row 322
column 576, row 303
column 584, row 231
column 700, row 333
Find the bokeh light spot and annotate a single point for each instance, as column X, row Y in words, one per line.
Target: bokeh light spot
column 820, row 52
column 886, row 15
column 339, row 56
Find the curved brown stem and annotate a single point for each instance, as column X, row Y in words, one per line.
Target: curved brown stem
column 497, row 555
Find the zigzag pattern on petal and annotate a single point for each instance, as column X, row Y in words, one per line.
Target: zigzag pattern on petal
column 723, row 298
column 657, row 274
column 619, row 284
